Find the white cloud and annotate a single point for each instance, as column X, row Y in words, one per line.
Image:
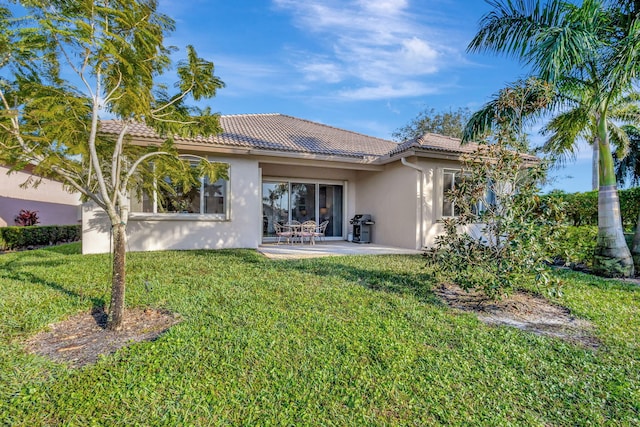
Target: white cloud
column 384, row 7
column 378, row 44
column 246, row 76
column 324, row 71
column 388, row 91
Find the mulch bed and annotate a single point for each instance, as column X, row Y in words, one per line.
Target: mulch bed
column 522, row 310
column 82, row 339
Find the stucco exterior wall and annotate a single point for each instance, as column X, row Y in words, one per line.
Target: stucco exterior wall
column 54, row 204
column 434, row 170
column 405, row 203
column 183, row 231
column 392, row 198
column 307, row 172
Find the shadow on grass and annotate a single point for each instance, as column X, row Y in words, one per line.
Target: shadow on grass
column 236, row 255
column 13, row 271
column 74, row 248
column 418, row 284
column 604, row 283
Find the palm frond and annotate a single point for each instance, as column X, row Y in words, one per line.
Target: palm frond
column 627, row 168
column 564, row 131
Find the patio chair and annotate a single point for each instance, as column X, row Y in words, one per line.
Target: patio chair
column 320, row 231
column 307, row 231
column 282, row 231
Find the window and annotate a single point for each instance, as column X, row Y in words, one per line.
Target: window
column 449, row 181
column 209, row 198
column 452, row 178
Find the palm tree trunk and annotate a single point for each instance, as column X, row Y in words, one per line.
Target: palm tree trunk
column 116, row 308
column 595, row 166
column 612, row 257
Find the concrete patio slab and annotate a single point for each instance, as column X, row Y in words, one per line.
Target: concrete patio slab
column 330, row 248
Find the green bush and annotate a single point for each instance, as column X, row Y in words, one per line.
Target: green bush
column 576, row 245
column 22, row 237
column 582, row 208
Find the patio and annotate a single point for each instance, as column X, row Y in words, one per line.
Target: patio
column 330, row 248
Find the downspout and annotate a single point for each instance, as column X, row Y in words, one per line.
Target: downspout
column 421, row 174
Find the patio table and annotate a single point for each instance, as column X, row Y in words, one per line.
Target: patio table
column 296, row 230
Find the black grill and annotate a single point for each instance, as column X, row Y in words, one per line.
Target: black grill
column 362, row 228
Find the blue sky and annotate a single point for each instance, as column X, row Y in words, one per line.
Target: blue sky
column 364, row 65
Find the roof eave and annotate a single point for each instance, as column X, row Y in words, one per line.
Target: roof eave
column 366, row 162
column 432, row 154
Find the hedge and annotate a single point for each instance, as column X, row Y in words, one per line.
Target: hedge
column 23, row 237
column 582, row 208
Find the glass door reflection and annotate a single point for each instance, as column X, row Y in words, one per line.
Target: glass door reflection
column 275, row 206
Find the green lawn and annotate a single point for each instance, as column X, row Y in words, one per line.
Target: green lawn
column 333, row 341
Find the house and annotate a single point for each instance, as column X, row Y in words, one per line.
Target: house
column 55, row 205
column 283, row 168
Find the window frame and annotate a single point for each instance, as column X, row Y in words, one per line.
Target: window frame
column 479, row 207
column 455, row 172
column 187, row 216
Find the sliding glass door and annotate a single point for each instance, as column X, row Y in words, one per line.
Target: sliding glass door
column 275, row 206
column 303, row 202
column 286, row 201
column 330, row 208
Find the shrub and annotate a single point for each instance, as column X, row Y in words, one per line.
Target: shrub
column 18, row 237
column 576, row 245
column 582, row 208
column 499, row 195
column 27, row 218
column 516, row 228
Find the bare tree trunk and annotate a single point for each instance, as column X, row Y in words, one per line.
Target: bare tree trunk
column 116, row 308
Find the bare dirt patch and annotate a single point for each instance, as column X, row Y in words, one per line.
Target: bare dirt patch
column 81, row 339
column 524, row 311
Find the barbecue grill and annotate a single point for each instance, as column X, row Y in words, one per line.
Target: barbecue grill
column 362, row 228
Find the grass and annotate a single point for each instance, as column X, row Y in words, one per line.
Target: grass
column 345, row 341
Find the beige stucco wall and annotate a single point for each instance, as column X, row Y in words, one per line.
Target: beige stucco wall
column 433, row 198
column 183, row 231
column 307, row 172
column 54, row 204
column 405, row 203
column 392, row 198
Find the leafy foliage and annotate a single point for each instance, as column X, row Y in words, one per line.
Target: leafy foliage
column 627, row 165
column 65, row 64
column 449, row 123
column 502, row 233
column 590, row 52
column 575, row 245
column 582, row 208
column 22, row 237
column 26, row 218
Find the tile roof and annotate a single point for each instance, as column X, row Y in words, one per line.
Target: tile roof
column 434, row 141
column 282, row 133
column 277, row 132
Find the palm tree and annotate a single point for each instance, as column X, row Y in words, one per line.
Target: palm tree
column 571, row 45
column 576, row 123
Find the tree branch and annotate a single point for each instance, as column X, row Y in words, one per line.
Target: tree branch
column 173, row 101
